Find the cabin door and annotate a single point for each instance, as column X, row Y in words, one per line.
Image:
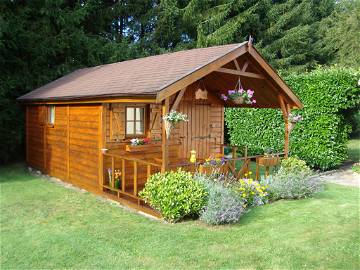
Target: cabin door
column 195, row 134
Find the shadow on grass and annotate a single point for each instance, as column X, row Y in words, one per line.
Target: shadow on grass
column 16, row 172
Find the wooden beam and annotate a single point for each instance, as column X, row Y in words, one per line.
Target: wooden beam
column 246, row 64
column 178, row 99
column 164, row 140
column 236, row 64
column 285, row 112
column 269, row 70
column 201, row 72
column 240, row 73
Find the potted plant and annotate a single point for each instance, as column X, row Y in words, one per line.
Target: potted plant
column 138, row 145
column 239, row 96
column 171, row 119
column 117, row 179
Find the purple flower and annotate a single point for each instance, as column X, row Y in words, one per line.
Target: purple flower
column 224, row 97
column 231, row 92
column 241, row 90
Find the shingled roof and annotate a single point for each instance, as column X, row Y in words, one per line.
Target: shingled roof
column 139, row 77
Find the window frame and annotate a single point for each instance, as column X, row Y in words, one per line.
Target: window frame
column 50, row 110
column 134, row 135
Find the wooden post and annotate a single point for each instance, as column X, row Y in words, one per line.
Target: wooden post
column 164, row 140
column 68, row 142
column 112, row 172
column 102, row 132
column 135, row 178
column 285, row 111
column 123, row 175
column 234, row 155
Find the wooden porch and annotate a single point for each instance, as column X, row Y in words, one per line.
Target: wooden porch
column 133, row 172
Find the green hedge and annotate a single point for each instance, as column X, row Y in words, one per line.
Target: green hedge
column 320, row 139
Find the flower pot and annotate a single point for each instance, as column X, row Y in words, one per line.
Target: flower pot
column 239, row 100
column 168, row 127
column 291, row 125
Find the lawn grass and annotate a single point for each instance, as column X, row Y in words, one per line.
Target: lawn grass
column 44, row 225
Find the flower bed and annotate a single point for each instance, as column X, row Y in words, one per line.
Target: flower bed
column 219, row 198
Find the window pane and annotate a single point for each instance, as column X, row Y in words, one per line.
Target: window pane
column 51, row 114
column 130, row 114
column 139, row 114
column 129, row 127
column 139, row 127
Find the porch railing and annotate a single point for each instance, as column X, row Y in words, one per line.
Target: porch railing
column 129, row 170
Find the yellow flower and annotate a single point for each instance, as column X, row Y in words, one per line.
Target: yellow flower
column 250, row 173
column 244, row 195
column 246, row 174
column 252, row 193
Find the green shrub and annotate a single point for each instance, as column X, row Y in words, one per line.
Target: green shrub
column 292, row 185
column 294, row 180
column 223, row 205
column 293, row 164
column 174, row 194
column 321, row 138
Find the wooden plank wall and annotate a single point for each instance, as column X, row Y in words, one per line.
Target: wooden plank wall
column 206, row 119
column 69, row 150
column 35, row 136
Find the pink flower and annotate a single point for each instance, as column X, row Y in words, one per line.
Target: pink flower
column 241, row 90
column 224, row 97
column 254, row 101
column 250, row 93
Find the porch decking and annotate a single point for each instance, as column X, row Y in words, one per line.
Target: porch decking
column 134, row 172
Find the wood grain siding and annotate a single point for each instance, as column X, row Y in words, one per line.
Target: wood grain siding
column 204, row 132
column 84, row 143
column 70, row 149
column 35, row 136
column 56, row 145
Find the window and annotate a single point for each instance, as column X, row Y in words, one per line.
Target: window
column 135, row 123
column 51, row 115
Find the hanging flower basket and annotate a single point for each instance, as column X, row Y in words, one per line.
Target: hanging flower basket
column 239, row 95
column 293, row 120
column 239, row 100
column 171, row 119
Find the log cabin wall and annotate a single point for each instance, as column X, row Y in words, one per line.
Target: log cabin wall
column 69, row 149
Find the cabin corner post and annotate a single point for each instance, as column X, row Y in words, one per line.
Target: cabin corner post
column 102, row 130
column 164, row 140
column 285, row 109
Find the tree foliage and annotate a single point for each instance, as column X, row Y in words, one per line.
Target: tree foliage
column 44, row 39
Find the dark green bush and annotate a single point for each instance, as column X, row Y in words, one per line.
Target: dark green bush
column 174, row 194
column 320, row 139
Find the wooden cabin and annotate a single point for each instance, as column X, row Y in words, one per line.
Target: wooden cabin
column 79, row 127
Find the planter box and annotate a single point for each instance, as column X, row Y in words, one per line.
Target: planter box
column 142, row 148
column 268, row 161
